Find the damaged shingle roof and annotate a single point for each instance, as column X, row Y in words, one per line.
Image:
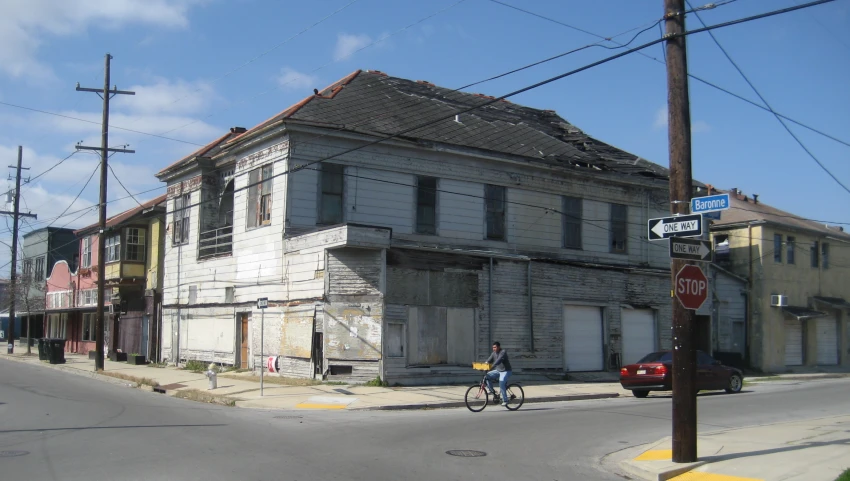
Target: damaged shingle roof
column 372, row 102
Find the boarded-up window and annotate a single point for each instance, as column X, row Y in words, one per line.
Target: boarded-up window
column 228, row 294
column 426, row 205
column 330, row 202
column 395, row 340
column 619, row 228
column 260, row 196
column 495, row 203
column 440, row 335
column 572, row 222
column 193, row 294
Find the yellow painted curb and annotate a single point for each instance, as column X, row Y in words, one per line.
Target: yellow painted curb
column 655, row 455
column 320, row 406
column 699, row 476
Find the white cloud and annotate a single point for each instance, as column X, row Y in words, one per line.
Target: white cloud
column 189, row 128
column 347, row 44
column 292, row 79
column 699, row 126
column 166, row 97
column 26, row 26
column 660, row 122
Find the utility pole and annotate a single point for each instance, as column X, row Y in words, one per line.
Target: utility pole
column 10, row 336
column 105, row 93
column 679, row 133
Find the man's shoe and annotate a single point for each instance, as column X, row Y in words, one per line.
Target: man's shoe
column 504, row 404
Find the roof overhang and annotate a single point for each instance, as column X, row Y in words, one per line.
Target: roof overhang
column 802, row 313
column 835, row 302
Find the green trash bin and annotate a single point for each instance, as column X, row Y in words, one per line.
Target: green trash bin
column 57, row 351
column 42, row 349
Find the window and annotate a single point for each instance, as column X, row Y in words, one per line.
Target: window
column 135, row 239
column 87, row 251
column 26, row 272
column 260, row 196
column 426, row 205
column 494, row 198
column 193, row 294
column 571, row 208
column 89, row 326
column 789, row 250
column 39, row 269
column 619, row 229
column 56, row 325
column 777, row 248
column 113, row 248
column 824, row 255
column 814, row 253
column 229, row 294
column 181, row 219
column 330, row 203
column 704, row 359
column 395, row 340
column 87, row 297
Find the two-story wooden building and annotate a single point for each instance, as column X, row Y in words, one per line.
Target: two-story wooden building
column 397, row 235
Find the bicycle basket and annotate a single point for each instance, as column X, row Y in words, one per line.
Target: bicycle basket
column 481, row 366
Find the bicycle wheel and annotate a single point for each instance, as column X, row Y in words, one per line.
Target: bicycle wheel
column 516, row 396
column 476, row 398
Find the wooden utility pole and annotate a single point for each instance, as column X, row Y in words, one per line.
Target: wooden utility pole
column 105, row 93
column 10, row 335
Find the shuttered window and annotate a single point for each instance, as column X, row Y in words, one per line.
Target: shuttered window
column 495, row 205
column 260, row 196
column 426, row 205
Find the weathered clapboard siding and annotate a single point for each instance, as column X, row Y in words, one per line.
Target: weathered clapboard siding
column 388, row 204
column 196, row 328
column 728, row 307
column 302, row 195
column 532, row 219
column 304, row 274
column 354, row 271
column 511, row 326
column 460, row 212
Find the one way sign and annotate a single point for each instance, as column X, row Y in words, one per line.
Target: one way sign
column 690, row 249
column 678, row 226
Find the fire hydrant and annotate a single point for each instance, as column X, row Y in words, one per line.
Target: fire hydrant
column 212, row 375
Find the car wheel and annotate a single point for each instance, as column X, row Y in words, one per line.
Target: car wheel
column 640, row 393
column 735, row 384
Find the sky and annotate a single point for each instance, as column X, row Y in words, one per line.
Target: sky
column 199, row 67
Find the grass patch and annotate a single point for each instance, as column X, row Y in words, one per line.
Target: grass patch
column 140, row 381
column 845, row 476
column 282, row 381
column 204, row 397
column 195, row 366
column 160, row 365
column 377, row 382
column 335, row 383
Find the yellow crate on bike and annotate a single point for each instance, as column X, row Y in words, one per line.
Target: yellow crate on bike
column 481, row 366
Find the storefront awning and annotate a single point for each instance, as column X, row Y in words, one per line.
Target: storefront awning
column 835, row 302
column 802, row 313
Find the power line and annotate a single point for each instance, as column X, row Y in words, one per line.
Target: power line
column 766, row 104
column 115, row 176
column 78, row 194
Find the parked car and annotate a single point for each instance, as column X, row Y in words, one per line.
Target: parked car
column 655, row 373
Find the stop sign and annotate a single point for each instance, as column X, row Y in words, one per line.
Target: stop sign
column 691, row 287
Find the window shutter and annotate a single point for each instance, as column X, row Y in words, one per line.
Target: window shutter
column 253, row 197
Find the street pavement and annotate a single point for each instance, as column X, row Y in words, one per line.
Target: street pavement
column 71, row 427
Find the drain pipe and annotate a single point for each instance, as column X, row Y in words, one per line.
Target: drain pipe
column 530, row 311
column 490, row 300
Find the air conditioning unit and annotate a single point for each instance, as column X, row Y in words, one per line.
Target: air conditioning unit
column 778, row 300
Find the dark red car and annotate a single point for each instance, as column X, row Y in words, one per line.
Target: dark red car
column 655, row 373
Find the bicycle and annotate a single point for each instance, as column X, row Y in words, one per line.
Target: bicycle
column 478, row 396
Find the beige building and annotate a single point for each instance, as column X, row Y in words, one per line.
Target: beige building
column 798, row 271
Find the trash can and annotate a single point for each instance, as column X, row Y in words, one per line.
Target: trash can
column 42, row 349
column 57, row 351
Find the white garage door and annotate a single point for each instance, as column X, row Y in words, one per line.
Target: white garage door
column 793, row 343
column 638, row 334
column 827, row 338
column 583, row 338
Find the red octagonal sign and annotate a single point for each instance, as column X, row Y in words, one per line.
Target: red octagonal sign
column 691, row 287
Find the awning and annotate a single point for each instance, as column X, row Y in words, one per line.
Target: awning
column 835, row 302
column 802, row 313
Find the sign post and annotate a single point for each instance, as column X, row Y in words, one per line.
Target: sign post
column 262, row 304
column 691, row 287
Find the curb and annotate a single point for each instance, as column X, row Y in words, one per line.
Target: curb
column 645, row 469
column 460, row 404
column 70, row 370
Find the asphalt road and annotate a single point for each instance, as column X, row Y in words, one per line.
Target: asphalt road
column 76, row 428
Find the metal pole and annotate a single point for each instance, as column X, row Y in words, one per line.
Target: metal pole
column 681, row 189
column 262, row 331
column 10, row 336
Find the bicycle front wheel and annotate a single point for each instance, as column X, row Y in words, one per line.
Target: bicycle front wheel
column 516, row 396
column 476, row 398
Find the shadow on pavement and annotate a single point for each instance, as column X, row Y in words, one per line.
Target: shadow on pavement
column 112, row 427
column 725, row 457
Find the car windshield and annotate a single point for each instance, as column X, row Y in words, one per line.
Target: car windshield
column 657, row 357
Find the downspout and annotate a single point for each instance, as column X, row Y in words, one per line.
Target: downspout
column 530, row 310
column 177, row 347
column 747, row 333
column 490, row 300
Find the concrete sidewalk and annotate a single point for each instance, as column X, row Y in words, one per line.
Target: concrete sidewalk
column 243, row 389
column 813, row 450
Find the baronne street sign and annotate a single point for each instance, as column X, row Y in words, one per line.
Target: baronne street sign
column 691, row 287
column 709, row 203
column 676, row 226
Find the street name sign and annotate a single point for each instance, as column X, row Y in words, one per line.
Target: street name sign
column 691, row 287
column 262, row 303
column 677, row 226
column 690, row 249
column 709, row 203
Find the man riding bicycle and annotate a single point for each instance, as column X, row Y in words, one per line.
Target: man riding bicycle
column 501, row 371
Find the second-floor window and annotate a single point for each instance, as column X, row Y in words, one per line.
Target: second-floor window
column 426, row 205
column 494, row 198
column 824, row 255
column 87, row 297
column 814, row 253
column 260, row 196
column 135, row 240
column 789, row 250
column 39, row 269
column 331, row 199
column 26, row 272
column 777, row 248
column 619, row 228
column 113, row 248
column 86, row 260
column 572, row 222
column 181, row 219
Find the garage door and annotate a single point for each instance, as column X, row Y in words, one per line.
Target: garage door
column 638, row 334
column 583, row 338
column 793, row 343
column 827, row 338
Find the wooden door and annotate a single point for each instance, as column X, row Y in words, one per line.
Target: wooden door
column 244, row 341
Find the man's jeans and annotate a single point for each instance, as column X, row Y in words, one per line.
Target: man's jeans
column 502, row 377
